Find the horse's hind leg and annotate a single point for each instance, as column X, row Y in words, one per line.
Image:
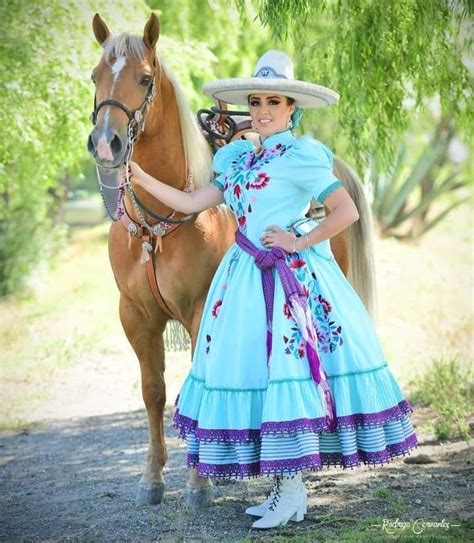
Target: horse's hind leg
column 145, row 333
column 199, row 490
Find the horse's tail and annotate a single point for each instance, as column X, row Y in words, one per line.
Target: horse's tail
column 360, row 238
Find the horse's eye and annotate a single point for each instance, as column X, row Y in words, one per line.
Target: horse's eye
column 146, row 80
column 93, row 78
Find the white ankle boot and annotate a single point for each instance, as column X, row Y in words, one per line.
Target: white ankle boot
column 289, row 502
column 261, row 509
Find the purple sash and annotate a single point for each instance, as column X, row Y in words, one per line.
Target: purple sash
column 266, row 260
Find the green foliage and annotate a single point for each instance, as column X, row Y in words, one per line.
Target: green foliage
column 447, row 389
column 377, row 55
column 46, row 55
column 229, row 30
column 404, row 195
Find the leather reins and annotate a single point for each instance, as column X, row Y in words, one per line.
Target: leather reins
column 220, row 128
column 150, row 235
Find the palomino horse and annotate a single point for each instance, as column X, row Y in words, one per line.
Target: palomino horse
column 168, row 145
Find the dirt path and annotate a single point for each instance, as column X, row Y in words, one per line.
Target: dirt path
column 73, row 477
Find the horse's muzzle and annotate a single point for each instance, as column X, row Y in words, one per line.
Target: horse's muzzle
column 107, row 148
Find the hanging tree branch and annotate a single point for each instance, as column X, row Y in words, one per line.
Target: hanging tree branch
column 378, row 55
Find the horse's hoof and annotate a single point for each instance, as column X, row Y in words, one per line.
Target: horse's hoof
column 197, row 498
column 150, row 494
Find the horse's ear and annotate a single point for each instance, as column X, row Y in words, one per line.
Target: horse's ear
column 101, row 32
column 152, row 31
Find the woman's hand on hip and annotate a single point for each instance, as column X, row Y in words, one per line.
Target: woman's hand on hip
column 274, row 236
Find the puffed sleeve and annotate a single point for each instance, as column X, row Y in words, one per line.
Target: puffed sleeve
column 224, row 158
column 313, row 168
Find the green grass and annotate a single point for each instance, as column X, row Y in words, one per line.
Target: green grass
column 425, row 313
column 70, row 311
column 69, row 306
column 382, row 493
column 332, row 529
column 447, row 389
column 425, row 292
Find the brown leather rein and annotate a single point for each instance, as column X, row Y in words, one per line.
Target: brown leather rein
column 219, row 128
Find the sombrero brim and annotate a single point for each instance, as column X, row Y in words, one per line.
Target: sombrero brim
column 237, row 90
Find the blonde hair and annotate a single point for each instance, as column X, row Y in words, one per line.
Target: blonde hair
column 196, row 149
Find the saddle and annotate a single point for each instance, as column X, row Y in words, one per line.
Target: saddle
column 221, row 126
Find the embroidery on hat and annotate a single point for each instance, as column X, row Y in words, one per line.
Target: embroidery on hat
column 268, row 71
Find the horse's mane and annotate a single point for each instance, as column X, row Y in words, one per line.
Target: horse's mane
column 196, row 148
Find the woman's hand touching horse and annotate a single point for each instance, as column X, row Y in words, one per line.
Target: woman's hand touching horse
column 186, row 202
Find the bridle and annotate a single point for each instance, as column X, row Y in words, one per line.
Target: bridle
column 136, row 122
column 135, row 117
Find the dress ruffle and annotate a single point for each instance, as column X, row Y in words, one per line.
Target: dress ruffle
column 243, row 414
column 225, row 155
column 244, row 441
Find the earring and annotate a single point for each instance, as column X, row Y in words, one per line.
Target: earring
column 289, row 124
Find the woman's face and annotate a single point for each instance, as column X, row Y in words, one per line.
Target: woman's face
column 270, row 113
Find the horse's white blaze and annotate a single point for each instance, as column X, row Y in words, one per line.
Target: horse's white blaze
column 116, row 68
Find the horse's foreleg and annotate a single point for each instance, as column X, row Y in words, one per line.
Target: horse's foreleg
column 146, row 337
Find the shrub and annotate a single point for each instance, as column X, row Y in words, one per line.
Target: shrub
column 446, row 388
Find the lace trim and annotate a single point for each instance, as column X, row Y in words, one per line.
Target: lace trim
column 374, row 419
column 291, row 426
column 371, row 458
column 187, row 425
column 313, row 462
column 193, row 460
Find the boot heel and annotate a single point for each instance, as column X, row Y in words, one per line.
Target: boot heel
column 299, row 515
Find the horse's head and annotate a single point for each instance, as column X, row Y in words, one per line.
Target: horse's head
column 125, row 85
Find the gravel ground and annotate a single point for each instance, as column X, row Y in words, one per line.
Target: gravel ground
column 75, row 480
column 73, row 475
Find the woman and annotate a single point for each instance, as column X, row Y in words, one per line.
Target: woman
column 288, row 373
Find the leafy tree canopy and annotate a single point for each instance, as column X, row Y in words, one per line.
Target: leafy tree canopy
column 46, row 57
column 380, row 55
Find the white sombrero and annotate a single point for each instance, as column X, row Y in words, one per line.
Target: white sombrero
column 274, row 73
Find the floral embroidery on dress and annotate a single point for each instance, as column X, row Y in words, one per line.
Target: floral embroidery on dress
column 216, row 307
column 208, row 341
column 260, row 183
column 329, row 333
column 244, row 173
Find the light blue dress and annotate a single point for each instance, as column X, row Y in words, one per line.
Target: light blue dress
column 244, row 417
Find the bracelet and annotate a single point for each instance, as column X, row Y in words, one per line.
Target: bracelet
column 307, row 240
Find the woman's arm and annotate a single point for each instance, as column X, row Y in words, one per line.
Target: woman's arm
column 343, row 214
column 186, row 202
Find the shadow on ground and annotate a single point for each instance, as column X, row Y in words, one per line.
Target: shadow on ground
column 77, row 480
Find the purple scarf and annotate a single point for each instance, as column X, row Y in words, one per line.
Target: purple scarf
column 266, row 260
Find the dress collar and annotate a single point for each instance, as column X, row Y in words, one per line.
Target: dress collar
column 286, row 138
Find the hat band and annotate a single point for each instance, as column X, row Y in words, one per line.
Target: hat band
column 268, row 71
